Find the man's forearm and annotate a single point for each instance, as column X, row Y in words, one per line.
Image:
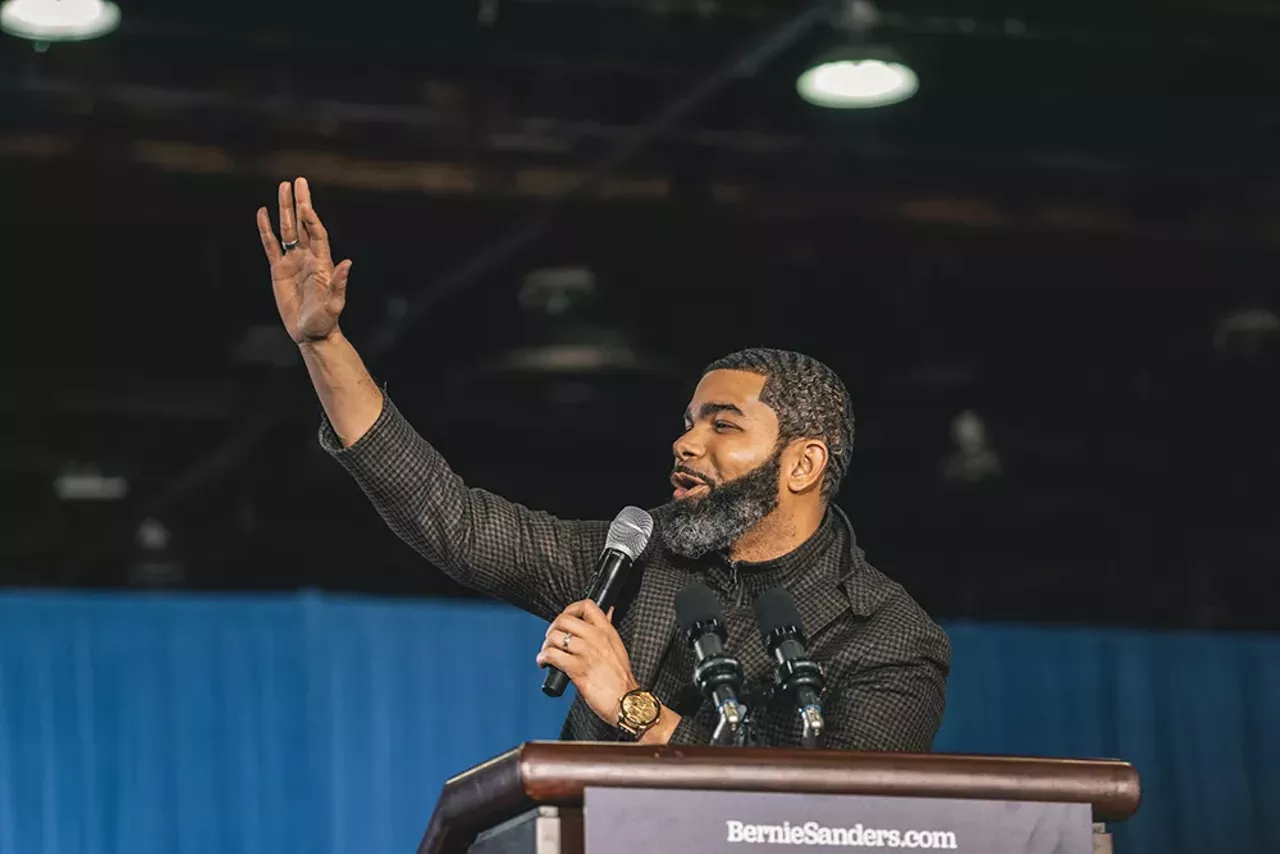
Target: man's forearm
column 525, row 557
column 350, row 397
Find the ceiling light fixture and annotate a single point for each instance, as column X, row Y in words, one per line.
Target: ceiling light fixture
column 858, row 79
column 58, row 20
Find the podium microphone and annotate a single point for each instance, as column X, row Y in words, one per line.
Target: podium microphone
column 717, row 674
column 627, row 537
column 799, row 678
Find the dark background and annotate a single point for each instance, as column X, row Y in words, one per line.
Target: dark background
column 1071, row 231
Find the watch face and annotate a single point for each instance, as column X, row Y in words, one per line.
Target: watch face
column 641, row 707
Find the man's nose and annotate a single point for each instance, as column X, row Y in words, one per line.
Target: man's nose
column 687, row 446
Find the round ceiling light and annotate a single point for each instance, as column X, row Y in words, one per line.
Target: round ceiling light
column 58, row 20
column 853, row 83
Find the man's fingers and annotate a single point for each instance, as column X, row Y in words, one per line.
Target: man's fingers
column 570, row 624
column 302, row 191
column 615, row 639
column 288, row 222
column 269, row 243
column 313, row 228
column 301, row 188
column 310, row 220
column 556, row 642
column 586, row 618
column 553, row 657
column 591, row 613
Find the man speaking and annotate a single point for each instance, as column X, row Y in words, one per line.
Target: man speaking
column 767, row 439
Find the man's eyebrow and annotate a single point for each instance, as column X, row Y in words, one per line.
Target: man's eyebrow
column 709, row 409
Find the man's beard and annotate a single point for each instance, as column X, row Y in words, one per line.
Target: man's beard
column 695, row 526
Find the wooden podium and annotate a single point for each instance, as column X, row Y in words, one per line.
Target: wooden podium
column 529, row 800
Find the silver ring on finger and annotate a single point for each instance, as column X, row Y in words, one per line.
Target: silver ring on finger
column 290, row 244
column 564, row 642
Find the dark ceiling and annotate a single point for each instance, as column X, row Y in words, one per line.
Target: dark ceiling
column 1071, row 230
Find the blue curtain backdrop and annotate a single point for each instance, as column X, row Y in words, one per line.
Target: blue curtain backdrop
column 225, row 725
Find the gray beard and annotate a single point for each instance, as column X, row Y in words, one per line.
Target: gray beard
column 693, row 527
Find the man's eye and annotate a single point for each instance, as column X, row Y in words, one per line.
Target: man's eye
column 724, row 425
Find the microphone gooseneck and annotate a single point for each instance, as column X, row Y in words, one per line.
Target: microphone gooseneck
column 717, row 674
column 628, row 535
column 799, row 678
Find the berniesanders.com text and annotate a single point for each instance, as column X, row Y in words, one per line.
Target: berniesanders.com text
column 857, row 836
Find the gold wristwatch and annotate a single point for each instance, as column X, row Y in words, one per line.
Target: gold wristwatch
column 638, row 711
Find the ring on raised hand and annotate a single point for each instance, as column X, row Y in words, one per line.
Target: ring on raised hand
column 288, row 244
column 565, row 642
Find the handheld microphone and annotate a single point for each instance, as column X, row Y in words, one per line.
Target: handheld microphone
column 717, row 674
column 799, row 678
column 627, row 537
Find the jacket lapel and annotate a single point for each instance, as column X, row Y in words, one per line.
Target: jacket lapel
column 653, row 619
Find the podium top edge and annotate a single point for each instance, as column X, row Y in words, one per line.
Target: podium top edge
column 558, row 771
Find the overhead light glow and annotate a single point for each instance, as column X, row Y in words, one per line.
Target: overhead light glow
column 58, row 20
column 850, row 84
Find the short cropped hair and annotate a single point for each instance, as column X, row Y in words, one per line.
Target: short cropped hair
column 809, row 399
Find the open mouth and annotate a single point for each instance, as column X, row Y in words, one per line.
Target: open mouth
column 686, row 485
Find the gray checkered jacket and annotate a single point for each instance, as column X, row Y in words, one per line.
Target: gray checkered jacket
column 886, row 662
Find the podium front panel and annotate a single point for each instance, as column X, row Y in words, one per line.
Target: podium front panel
column 720, row 822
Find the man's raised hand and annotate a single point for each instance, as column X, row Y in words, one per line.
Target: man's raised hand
column 310, row 291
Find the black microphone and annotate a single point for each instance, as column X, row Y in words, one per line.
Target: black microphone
column 627, row 537
column 799, row 678
column 717, row 674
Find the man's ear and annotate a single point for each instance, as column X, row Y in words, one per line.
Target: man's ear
column 804, row 465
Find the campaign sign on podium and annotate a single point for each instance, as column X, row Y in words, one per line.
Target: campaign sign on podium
column 664, row 821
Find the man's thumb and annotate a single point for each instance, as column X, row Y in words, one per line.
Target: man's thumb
column 340, row 273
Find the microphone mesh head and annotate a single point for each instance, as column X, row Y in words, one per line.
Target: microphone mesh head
column 630, row 532
column 776, row 609
column 697, row 604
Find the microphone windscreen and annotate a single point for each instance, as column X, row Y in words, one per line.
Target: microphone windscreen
column 776, row 609
column 630, row 531
column 697, row 604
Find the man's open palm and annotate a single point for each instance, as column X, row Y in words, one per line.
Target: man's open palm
column 310, row 291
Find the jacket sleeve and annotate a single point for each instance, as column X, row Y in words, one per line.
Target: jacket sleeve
column 691, row 731
column 893, row 699
column 527, row 558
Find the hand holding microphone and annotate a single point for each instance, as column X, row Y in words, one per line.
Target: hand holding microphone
column 628, row 535
column 799, row 678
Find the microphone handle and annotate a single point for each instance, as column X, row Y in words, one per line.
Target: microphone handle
column 555, row 682
column 611, row 569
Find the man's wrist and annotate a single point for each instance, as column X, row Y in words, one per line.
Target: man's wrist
column 627, row 687
column 661, row 732
column 319, row 346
